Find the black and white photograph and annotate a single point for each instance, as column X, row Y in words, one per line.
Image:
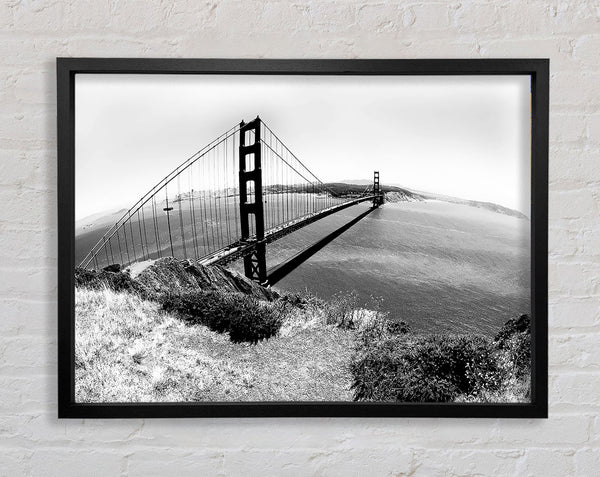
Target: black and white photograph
column 302, row 238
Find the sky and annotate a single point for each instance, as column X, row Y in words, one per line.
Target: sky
column 463, row 136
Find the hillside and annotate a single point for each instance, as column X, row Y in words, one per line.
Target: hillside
column 499, row 209
column 343, row 188
column 129, row 349
column 180, row 332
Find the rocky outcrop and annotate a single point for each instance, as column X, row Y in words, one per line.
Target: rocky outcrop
column 170, row 276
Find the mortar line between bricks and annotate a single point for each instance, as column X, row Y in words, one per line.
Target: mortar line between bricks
column 92, row 446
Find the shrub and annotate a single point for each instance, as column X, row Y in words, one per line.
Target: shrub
column 515, row 355
column 251, row 322
column 397, row 327
column 424, row 368
column 297, row 300
column 113, row 280
column 209, row 308
column 512, row 327
column 342, row 310
column 244, row 317
column 514, row 343
column 373, row 330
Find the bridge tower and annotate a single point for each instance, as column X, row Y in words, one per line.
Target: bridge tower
column 377, row 192
column 251, row 202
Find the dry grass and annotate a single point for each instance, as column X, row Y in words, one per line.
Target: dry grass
column 129, row 350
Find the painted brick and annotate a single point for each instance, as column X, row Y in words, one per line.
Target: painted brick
column 585, row 49
column 475, row 16
column 548, row 462
column 575, row 351
column 64, row 462
column 575, row 166
column 380, row 18
column 21, row 354
column 558, row 49
column 573, row 313
column 577, row 279
column 144, row 462
column 34, row 442
column 566, row 430
column 14, row 312
column 587, row 461
column 565, row 128
column 593, row 129
column 15, row 463
column 563, row 92
column 43, row 15
column 333, row 16
column 467, row 462
column 576, row 388
column 574, row 204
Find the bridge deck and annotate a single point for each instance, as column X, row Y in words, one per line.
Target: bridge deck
column 239, row 249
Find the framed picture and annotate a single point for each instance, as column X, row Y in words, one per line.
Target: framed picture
column 302, row 237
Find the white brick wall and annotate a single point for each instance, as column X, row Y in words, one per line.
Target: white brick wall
column 34, row 442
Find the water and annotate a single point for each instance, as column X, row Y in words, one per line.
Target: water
column 196, row 228
column 441, row 267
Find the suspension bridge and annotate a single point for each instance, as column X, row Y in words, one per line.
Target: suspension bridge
column 227, row 202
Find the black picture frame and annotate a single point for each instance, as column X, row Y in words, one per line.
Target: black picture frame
column 67, row 68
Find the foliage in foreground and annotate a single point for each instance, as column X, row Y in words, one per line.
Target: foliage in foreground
column 128, row 349
column 381, row 358
column 112, row 278
column 245, row 318
column 440, row 368
column 423, row 368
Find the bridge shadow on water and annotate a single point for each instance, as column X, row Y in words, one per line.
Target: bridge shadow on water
column 280, row 271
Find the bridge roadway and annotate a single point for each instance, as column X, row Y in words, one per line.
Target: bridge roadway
column 242, row 248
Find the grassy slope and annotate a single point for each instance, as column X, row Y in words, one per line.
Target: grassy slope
column 127, row 349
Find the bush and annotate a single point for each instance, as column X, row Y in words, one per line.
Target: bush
column 424, row 368
column 512, row 327
column 301, row 300
column 515, row 355
column 245, row 318
column 251, row 322
column 342, row 310
column 373, row 330
column 209, row 308
column 113, row 280
column 514, row 343
column 397, row 327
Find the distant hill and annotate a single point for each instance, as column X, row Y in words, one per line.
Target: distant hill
column 353, row 187
column 395, row 193
column 100, row 219
column 364, row 182
column 482, row 205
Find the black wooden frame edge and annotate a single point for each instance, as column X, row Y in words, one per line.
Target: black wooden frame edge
column 538, row 68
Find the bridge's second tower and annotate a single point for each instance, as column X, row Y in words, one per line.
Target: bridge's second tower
column 377, row 192
column 251, row 200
